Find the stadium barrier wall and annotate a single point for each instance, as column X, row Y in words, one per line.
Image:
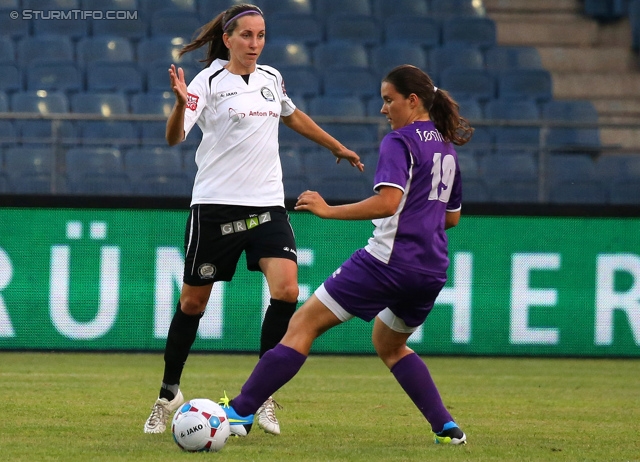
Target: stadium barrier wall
column 109, row 279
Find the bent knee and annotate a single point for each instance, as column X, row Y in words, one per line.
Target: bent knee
column 286, row 293
column 193, row 305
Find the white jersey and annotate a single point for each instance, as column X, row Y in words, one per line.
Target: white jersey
column 238, row 158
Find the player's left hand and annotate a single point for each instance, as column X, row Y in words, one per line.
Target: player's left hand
column 351, row 156
column 313, row 202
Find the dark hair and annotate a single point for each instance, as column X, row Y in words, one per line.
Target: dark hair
column 443, row 109
column 211, row 33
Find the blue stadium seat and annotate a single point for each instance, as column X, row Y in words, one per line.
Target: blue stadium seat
column 73, row 26
column 153, row 103
column 46, row 47
column 474, row 191
column 110, row 5
column 447, row 9
column 345, row 106
column 569, row 168
column 294, row 185
column 5, row 185
column 43, row 102
column 39, row 183
column 209, row 9
column 625, row 192
column 327, row 8
column 349, row 82
column 83, row 161
column 525, row 84
column 424, row 32
column 132, row 29
column 360, row 29
column 51, row 4
column 300, row 82
column 99, row 103
column 13, row 28
column 503, row 58
column 291, row 162
column 585, row 192
column 103, row 184
column 150, row 7
column 174, row 23
column 103, row 131
column 613, row 167
column 104, row 48
column 7, row 133
column 454, row 55
column 481, row 141
column 7, row 50
column 572, row 138
column 606, row 10
column 514, row 138
column 28, row 160
column 389, row 55
column 356, row 136
column 301, row 7
column 168, row 185
column 470, row 109
column 164, row 51
column 469, row 165
column 54, row 76
column 292, row 139
column 9, row 78
column 511, row 167
column 152, row 161
column 340, row 55
column 468, row 83
column 342, row 189
column 374, row 105
column 384, row 9
column 305, row 29
column 515, row 191
column 474, row 31
column 634, row 19
column 10, row 4
column 158, row 75
column 4, row 102
column 112, row 76
column 285, row 53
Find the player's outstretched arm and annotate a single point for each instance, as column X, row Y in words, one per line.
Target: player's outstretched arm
column 381, row 205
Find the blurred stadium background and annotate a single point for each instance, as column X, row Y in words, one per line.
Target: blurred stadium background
column 551, row 86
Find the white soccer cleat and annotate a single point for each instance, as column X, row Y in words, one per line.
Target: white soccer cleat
column 160, row 413
column 266, row 417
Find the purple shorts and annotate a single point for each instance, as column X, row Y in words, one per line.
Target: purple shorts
column 364, row 286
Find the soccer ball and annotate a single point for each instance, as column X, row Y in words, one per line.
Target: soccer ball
column 200, row 425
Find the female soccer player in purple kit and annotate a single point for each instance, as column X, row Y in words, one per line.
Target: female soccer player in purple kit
column 398, row 275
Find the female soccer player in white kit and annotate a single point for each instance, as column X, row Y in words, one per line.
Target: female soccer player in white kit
column 238, row 196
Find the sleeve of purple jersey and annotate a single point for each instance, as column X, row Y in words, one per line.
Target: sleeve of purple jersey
column 393, row 163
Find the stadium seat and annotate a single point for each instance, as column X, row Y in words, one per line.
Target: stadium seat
column 606, row 10
column 469, row 165
column 13, row 28
column 584, row 192
column 568, row 168
column 305, row 29
column 39, row 183
column 345, row 106
column 389, row 55
column 82, row 161
column 9, row 78
column 4, row 102
column 503, row 58
column 349, row 82
column 5, row 185
column 294, row 185
column 514, row 191
column 301, row 7
column 104, row 48
column 164, row 51
column 340, row 55
column 103, row 131
column 613, row 167
column 625, row 192
column 327, row 8
column 113, row 76
column 373, row 106
column 525, row 84
column 28, row 160
column 51, row 4
column 357, row 136
column 153, row 103
column 73, row 26
column 42, row 131
column 44, row 48
column 470, row 109
column 474, row 31
column 468, row 83
column 209, row 9
column 7, row 133
column 360, row 29
column 132, row 29
column 158, row 76
column 572, row 138
column 291, row 162
column 634, row 19
column 341, row 189
column 152, row 161
column 175, row 23
column 474, row 191
column 424, row 32
column 103, row 184
column 110, row 5
column 10, row 4
column 54, row 76
column 512, row 137
column 511, row 167
column 384, row 9
column 481, row 141
column 168, row 185
column 300, row 82
column 7, row 50
column 285, row 53
column 150, row 7
column 106, row 104
column 454, row 55
column 447, row 9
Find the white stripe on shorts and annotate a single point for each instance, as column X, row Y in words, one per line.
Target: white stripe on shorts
column 395, row 323
column 330, row 303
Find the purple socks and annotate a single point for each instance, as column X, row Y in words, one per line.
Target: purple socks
column 412, row 374
column 276, row 367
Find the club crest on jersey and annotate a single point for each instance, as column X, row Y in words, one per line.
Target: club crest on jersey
column 267, row 94
column 192, row 101
column 235, row 116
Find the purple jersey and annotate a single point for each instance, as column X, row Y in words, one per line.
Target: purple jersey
column 418, row 161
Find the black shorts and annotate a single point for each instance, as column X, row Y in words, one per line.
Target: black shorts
column 216, row 236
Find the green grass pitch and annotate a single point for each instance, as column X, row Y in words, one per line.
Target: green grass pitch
column 91, row 407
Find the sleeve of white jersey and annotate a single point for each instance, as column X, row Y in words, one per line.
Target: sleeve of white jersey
column 196, row 101
column 287, row 105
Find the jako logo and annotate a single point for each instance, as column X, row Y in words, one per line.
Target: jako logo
column 197, row 428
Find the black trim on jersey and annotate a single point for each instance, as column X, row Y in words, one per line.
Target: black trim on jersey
column 264, row 70
column 214, row 76
column 245, row 77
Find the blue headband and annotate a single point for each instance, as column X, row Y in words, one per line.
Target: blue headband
column 238, row 15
